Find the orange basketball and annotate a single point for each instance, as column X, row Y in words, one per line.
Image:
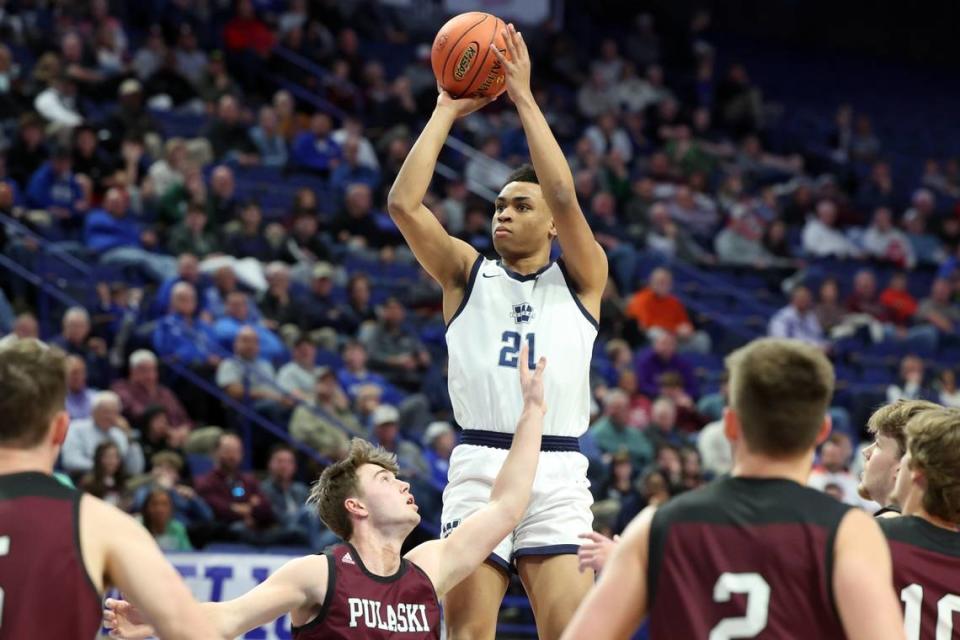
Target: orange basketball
column 461, row 56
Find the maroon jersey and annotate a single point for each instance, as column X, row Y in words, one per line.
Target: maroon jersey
column 360, row 604
column 45, row 591
column 744, row 558
column 926, row 575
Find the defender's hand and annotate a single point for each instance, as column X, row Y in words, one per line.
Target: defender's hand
column 516, row 63
column 532, row 384
column 594, row 554
column 125, row 621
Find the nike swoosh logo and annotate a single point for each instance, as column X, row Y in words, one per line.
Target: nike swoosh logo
column 490, row 275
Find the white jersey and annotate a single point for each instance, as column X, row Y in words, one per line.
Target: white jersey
column 501, row 311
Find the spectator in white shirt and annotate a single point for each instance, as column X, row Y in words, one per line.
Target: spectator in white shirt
column 299, row 376
column 606, row 135
column 798, row 320
column 821, row 239
column 105, row 423
column 58, row 103
column 885, row 242
column 833, row 472
column 715, row 450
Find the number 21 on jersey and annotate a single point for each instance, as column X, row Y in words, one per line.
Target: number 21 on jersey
column 510, row 351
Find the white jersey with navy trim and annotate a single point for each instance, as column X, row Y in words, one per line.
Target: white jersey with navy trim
column 501, row 311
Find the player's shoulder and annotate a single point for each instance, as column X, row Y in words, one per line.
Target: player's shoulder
column 746, row 501
column 917, row 532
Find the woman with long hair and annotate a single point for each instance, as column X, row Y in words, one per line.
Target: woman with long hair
column 157, row 518
column 107, row 480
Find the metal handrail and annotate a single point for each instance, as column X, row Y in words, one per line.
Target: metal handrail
column 48, row 246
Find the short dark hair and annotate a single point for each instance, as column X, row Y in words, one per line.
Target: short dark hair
column 523, row 173
column 33, row 388
column 281, row 446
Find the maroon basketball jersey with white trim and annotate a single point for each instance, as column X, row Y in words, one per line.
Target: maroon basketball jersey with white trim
column 926, row 576
column 360, row 604
column 744, row 558
column 45, row 591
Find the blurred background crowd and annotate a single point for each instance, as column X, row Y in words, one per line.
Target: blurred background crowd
column 192, row 204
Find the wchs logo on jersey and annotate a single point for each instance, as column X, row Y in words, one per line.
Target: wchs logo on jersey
column 522, row 312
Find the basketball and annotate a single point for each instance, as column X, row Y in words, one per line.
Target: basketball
column 461, row 56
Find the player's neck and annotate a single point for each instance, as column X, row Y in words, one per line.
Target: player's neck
column 526, row 265
column 752, row 465
column 23, row 460
column 380, row 553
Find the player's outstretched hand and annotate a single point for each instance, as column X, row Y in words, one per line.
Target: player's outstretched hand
column 532, row 383
column 125, row 621
column 516, row 63
column 594, row 554
column 463, row 106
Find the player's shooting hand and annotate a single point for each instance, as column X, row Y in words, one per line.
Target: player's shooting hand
column 125, row 621
column 594, row 554
column 463, row 106
column 516, row 63
column 532, row 383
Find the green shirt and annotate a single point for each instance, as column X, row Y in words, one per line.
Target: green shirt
column 612, row 440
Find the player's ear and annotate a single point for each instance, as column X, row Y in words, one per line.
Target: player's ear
column 58, row 431
column 552, row 232
column 354, row 506
column 825, row 429
column 731, row 425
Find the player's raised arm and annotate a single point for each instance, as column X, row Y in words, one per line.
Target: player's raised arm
column 584, row 258
column 445, row 258
column 863, row 581
column 617, row 604
column 298, row 584
column 452, row 559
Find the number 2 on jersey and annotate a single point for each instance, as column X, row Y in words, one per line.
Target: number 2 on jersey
column 510, row 352
column 758, row 601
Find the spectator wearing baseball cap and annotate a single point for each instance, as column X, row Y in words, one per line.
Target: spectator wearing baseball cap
column 386, row 433
column 439, row 440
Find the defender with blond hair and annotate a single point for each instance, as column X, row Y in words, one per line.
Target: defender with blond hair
column 59, row 548
column 925, row 541
column 363, row 588
column 882, row 458
column 758, row 554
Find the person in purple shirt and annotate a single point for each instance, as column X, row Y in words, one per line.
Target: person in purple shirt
column 660, row 359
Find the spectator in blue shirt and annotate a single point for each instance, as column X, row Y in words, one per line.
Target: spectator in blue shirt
column 351, row 171
column 354, row 374
column 238, row 316
column 266, row 138
column 117, row 238
column 180, row 335
column 315, row 149
column 55, row 187
column 439, row 441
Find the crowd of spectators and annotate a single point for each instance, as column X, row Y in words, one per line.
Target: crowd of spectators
column 293, row 310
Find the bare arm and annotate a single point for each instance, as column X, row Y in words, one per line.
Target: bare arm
column 128, row 558
column 446, row 259
column 299, row 584
column 582, row 255
column 863, row 579
column 617, row 605
column 452, row 559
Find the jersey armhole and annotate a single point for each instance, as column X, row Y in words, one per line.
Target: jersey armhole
column 327, row 598
column 576, row 297
column 467, row 290
column 655, row 544
column 77, row 500
column 829, row 561
column 423, row 573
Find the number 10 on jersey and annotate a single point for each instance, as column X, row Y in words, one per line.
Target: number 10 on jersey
column 510, row 352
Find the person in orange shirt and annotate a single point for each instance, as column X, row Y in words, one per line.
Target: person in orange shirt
column 896, row 299
column 657, row 310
